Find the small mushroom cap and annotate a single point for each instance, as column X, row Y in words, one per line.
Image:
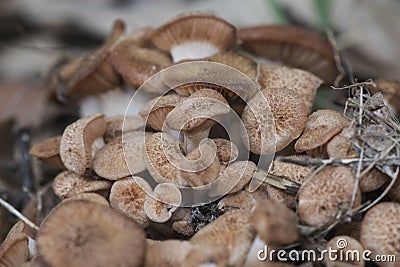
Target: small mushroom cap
column 274, row 107
column 275, row 223
column 128, row 196
column 121, row 158
column 167, row 253
column 330, row 190
column 17, row 228
column 227, row 151
column 74, row 230
column 14, row 250
column 157, row 109
column 77, row 139
column 93, row 197
column 380, row 231
column 183, row 227
column 240, row 200
column 117, row 124
column 216, row 256
column 165, row 200
column 345, row 244
column 321, row 126
column 294, row 46
column 48, row 151
column 194, row 35
column 68, row 183
column 232, row 230
column 301, row 81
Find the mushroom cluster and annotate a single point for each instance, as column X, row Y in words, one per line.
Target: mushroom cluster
column 167, row 185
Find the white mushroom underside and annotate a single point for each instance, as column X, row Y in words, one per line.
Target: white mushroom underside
column 193, row 50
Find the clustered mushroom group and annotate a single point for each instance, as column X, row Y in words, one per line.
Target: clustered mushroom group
column 120, row 186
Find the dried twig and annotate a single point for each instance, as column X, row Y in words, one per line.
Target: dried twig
column 17, row 214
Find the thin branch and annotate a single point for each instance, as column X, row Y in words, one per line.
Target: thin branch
column 17, row 214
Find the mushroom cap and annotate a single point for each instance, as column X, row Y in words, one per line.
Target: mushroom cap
column 275, row 107
column 301, row 81
column 232, row 230
column 48, row 151
column 275, row 223
column 121, row 158
column 93, row 197
column 394, row 192
column 68, row 183
column 321, row 126
column 321, row 197
column 241, row 200
column 294, row 46
column 76, row 141
column 207, row 256
column 128, row 196
column 136, row 64
column 14, row 250
column 227, row 151
column 380, row 231
column 344, row 244
column 82, row 233
column 167, row 253
column 194, row 35
column 118, row 124
column 156, row 110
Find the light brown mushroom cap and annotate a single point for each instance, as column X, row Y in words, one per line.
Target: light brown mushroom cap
column 17, row 228
column 237, row 61
column 274, row 107
column 167, row 253
column 76, row 142
column 128, row 196
column 239, row 200
column 14, row 250
column 136, row 64
column 157, row 109
column 330, row 190
column 48, row 151
column 301, row 81
column 164, row 201
column 294, row 46
column 275, row 223
column 117, row 124
column 227, row 151
column 321, row 126
column 194, row 35
column 121, row 158
column 216, row 256
column 380, row 231
column 93, row 197
column 74, row 230
column 344, row 245
column 68, row 183
column 183, row 227
column 232, row 230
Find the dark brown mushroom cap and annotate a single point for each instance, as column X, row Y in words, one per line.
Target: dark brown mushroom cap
column 14, row 250
column 380, row 231
column 322, row 197
column 394, row 192
column 195, row 27
column 294, row 46
column 321, row 126
column 82, row 233
column 275, row 107
column 48, row 151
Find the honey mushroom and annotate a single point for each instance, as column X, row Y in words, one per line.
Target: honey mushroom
column 166, row 253
column 48, row 151
column 93, row 197
column 14, row 250
column 194, row 35
column 349, row 244
column 118, row 124
column 238, row 200
column 202, row 256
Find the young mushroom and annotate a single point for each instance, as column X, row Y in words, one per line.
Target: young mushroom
column 76, row 142
column 75, row 230
column 380, row 232
column 346, row 246
column 194, row 35
column 48, row 151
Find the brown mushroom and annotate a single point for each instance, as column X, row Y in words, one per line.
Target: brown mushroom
column 48, row 151
column 216, row 256
column 239, row 200
column 166, row 253
column 394, row 192
column 380, row 232
column 116, row 125
column 293, row 46
column 194, row 35
column 303, row 82
column 344, row 245
column 14, row 251
column 93, row 197
column 227, row 151
column 76, row 142
column 74, row 230
column 273, row 118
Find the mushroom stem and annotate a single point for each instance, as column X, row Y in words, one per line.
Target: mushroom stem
column 17, row 214
column 193, row 138
column 277, row 181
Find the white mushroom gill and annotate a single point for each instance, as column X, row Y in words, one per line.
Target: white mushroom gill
column 193, row 50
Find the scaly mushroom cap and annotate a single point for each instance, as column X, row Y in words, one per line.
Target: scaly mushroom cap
column 344, row 245
column 48, row 151
column 275, row 107
column 14, row 250
column 166, row 253
column 194, row 35
column 93, row 197
column 275, row 223
column 295, row 47
column 128, row 196
column 216, row 256
column 303, row 82
column 111, row 163
column 67, row 184
column 326, row 193
column 232, row 230
column 117, row 124
column 157, row 109
column 76, row 142
column 82, row 233
column 239, row 200
column 380, row 231
column 136, row 64
column 227, row 151
column 321, row 126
